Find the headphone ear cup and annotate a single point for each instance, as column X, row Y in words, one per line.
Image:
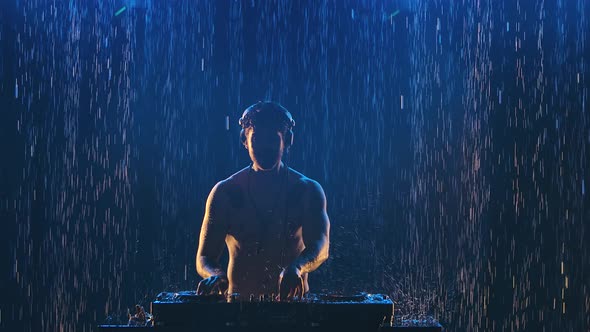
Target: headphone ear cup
column 289, row 138
column 243, row 137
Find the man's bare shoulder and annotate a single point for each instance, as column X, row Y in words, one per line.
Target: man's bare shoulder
column 238, row 177
column 230, row 188
column 232, row 180
column 312, row 187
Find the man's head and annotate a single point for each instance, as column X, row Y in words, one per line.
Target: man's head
column 266, row 133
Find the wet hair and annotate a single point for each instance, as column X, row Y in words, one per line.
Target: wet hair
column 268, row 114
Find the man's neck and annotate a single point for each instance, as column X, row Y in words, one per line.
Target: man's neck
column 265, row 174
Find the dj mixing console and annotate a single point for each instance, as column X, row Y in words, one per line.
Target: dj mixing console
column 186, row 311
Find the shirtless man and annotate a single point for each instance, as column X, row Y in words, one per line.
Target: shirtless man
column 272, row 218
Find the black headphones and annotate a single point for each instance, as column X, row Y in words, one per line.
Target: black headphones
column 247, row 117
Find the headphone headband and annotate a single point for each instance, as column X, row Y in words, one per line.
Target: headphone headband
column 248, row 117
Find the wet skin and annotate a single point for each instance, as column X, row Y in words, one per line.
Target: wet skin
column 273, row 221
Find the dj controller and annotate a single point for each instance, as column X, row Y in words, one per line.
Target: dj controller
column 185, row 311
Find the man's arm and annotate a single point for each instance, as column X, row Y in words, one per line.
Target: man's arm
column 316, row 231
column 316, row 238
column 213, row 231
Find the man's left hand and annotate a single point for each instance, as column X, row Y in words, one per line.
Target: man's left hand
column 290, row 283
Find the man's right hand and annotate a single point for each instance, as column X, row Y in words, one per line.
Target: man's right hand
column 213, row 285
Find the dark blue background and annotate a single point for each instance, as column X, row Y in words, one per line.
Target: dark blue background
column 467, row 201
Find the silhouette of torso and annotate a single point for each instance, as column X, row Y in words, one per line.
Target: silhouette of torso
column 264, row 230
